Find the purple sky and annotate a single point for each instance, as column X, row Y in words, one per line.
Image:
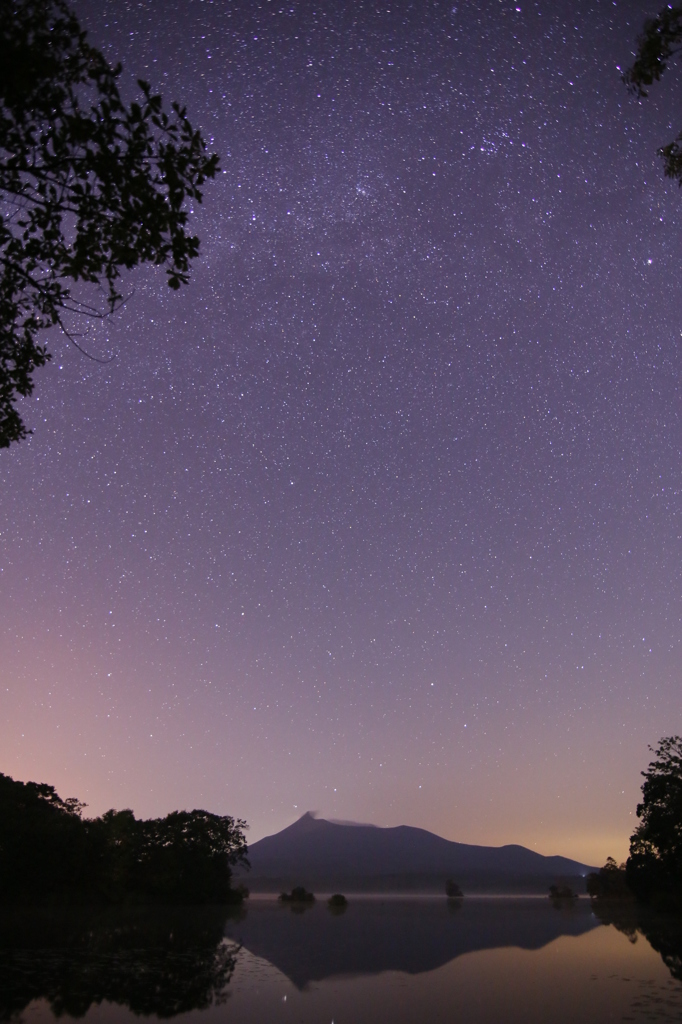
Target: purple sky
column 380, row 516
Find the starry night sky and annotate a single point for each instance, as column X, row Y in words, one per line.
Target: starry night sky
column 380, row 516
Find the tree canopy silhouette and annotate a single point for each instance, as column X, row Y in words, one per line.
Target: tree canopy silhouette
column 89, row 186
column 43, row 845
column 185, row 857
column 659, row 42
column 50, row 854
column 609, row 883
column 654, row 867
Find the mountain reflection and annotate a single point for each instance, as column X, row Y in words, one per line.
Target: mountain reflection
column 413, row 936
column 153, row 961
column 165, row 962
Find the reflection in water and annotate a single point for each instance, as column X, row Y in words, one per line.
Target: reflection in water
column 413, row 936
column 481, row 961
column 521, row 961
column 336, row 910
column 299, row 908
column 160, row 961
column 663, row 932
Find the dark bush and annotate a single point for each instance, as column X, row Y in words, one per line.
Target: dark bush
column 562, row 892
column 297, row 895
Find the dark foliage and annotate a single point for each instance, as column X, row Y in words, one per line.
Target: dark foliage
column 654, row 867
column 88, row 187
column 337, row 900
column 609, row 883
column 44, row 850
column 659, row 43
column 562, row 892
column 50, row 854
column 297, row 895
column 452, row 890
column 185, row 857
column 159, row 961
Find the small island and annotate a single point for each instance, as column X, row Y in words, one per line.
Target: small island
column 562, row 892
column 297, row 895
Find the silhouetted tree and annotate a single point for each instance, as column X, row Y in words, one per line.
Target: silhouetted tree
column 44, row 854
column 188, row 855
column 609, row 882
column 452, row 890
column 88, row 187
column 659, row 43
column 48, row 853
column 654, row 867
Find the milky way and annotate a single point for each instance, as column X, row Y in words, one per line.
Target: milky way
column 380, row 515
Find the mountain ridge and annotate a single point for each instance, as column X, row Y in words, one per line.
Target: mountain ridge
column 327, row 854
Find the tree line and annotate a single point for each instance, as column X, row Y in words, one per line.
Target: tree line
column 51, row 854
column 653, row 871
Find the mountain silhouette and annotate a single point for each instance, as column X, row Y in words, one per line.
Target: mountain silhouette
column 328, row 855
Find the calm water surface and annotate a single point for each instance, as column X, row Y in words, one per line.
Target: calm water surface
column 484, row 961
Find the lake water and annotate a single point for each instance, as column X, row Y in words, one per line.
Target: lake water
column 482, row 960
